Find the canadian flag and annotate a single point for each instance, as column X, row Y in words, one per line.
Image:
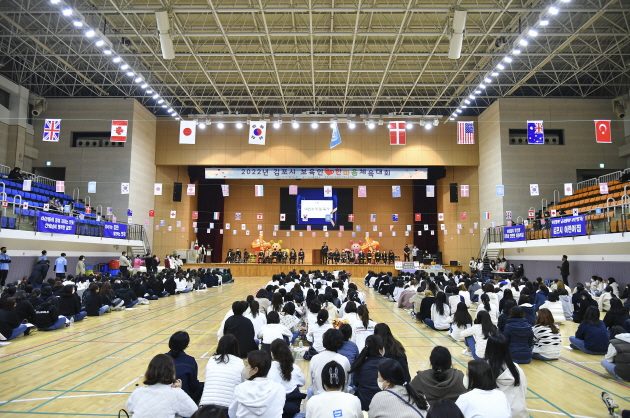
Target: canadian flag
column 187, row 132
column 119, row 131
column 397, row 133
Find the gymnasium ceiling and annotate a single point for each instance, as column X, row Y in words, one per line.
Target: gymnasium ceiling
column 336, row 57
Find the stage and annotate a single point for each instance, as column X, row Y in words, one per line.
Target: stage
column 268, row 270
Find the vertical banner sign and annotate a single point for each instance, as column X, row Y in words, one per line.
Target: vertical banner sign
column 124, row 188
column 465, row 133
column 151, row 213
column 397, row 133
column 190, row 190
column 568, row 189
column 535, row 132
column 173, row 214
column 26, row 185
column 395, row 191
column 52, row 129
column 60, row 186
column 465, row 190
column 418, row 217
column 195, row 215
column 119, row 131
column 259, row 190
column 293, row 189
column 534, row 190
column 362, row 191
column 327, row 191
column 257, row 131
column 430, row 191
column 335, row 139
column 109, row 212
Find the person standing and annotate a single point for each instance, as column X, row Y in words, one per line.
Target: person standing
column 43, row 256
column 80, row 269
column 123, row 264
column 564, row 270
column 61, row 266
column 406, row 252
column 414, row 253
column 324, row 253
column 5, row 260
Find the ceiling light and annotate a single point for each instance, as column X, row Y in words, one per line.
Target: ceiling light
column 77, row 24
column 124, row 67
column 138, row 80
column 276, row 125
column 55, row 1
column 201, row 125
column 477, row 91
column 107, row 51
column 423, row 122
column 565, row 1
column 149, row 91
column 533, row 33
column 295, row 124
column 516, row 51
column 164, row 105
column 467, row 101
column 170, row 109
column 472, row 96
column 458, row 111
column 553, row 10
column 507, row 59
column 495, row 74
column 160, row 101
column 428, row 126
column 501, row 67
column 452, row 118
column 67, row 11
column 371, row 125
column 177, row 118
column 436, row 121
column 144, row 86
column 116, row 59
column 220, row 125
column 464, row 106
column 544, row 22
column 100, row 42
column 155, row 96
column 239, row 125
column 352, row 125
column 487, row 80
column 314, row 125
column 483, row 86
column 409, row 125
column 90, row 33
column 130, row 73
column 523, row 42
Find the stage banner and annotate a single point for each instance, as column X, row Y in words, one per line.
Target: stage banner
column 568, row 227
column 56, row 224
column 316, row 173
column 407, row 265
column 514, row 233
column 113, row 230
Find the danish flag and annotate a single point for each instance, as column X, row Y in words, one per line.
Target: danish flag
column 397, row 133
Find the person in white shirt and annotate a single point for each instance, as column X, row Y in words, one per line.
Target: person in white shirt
column 273, row 330
column 223, row 374
column 333, row 401
column 483, row 400
column 362, row 328
column 440, row 313
column 510, row 378
column 290, row 376
column 258, row 396
column 316, row 332
column 460, row 320
column 491, row 308
column 333, row 341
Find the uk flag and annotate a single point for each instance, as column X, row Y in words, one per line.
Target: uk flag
column 52, row 128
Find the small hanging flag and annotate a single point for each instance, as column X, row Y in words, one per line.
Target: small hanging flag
column 293, row 189
column 534, row 190
column 602, row 131
column 195, row 215
column 225, row 189
column 351, row 218
column 530, row 213
column 395, row 191
column 568, row 189
column 124, row 188
column 91, row 187
column 418, row 217
column 216, row 216
column 237, row 216
column 129, row 212
column 157, row 189
column 52, row 129
column 394, row 217
column 463, row 216
column 576, row 211
column 430, row 191
column 327, row 191
column 486, row 215
column 362, row 191
column 336, row 137
column 465, row 190
column 173, row 214
column 440, row 217
column 190, row 190
column 500, row 190
column 259, row 216
column 603, row 188
column 259, row 190
column 26, row 185
column 508, row 214
column 283, row 217
column 373, row 217
column 119, row 131
column 60, row 186
column 151, row 213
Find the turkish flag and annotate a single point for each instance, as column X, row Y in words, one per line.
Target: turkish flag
column 151, row 213
column 602, row 131
column 418, row 217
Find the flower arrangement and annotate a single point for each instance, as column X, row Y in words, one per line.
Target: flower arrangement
column 336, row 323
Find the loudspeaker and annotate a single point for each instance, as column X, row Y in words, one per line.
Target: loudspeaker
column 438, row 257
column 177, row 192
column 454, row 197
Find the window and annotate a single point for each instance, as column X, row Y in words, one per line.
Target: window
column 94, row 140
column 552, row 137
column 5, row 97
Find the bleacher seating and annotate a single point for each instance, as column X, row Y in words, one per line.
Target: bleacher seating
column 588, row 199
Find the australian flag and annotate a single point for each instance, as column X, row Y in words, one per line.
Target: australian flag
column 52, row 127
column 535, row 132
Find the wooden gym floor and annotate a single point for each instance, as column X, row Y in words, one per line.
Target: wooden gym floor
column 91, row 368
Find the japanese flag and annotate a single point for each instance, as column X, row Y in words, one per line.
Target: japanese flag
column 187, row 132
column 568, row 189
column 119, row 131
column 157, row 189
column 552, row 212
column 283, row 217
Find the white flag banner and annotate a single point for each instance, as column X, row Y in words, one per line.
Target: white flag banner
column 119, row 131
column 257, row 131
column 190, row 190
column 124, row 188
column 26, row 185
column 157, row 189
column 327, row 191
column 92, row 187
column 187, row 132
column 534, row 190
column 568, row 189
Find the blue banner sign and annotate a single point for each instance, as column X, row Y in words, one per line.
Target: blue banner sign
column 114, row 230
column 56, row 224
column 568, row 227
column 514, row 233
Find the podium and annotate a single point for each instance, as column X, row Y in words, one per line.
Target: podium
column 316, row 256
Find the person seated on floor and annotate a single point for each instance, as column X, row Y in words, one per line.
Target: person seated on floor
column 186, row 369
column 617, row 359
column 70, row 304
column 441, row 381
column 591, row 337
column 10, row 325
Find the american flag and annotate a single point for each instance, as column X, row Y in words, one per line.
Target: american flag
column 465, row 133
column 52, row 127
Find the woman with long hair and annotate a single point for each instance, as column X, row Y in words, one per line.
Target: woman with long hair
column 284, row 371
column 365, row 369
column 272, row 331
column 519, row 336
column 257, row 395
column 397, row 398
column 316, row 332
column 591, row 337
column 223, row 373
column 441, row 381
column 277, row 301
column 510, row 378
column 617, row 315
column 263, row 301
column 460, row 320
column 491, row 308
column 476, row 336
column 393, row 348
column 445, row 409
column 483, row 400
column 547, row 338
column 333, row 401
column 162, row 397
column 440, row 312
column 362, row 328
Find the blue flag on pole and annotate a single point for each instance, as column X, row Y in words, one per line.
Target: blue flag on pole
column 535, row 132
column 336, row 137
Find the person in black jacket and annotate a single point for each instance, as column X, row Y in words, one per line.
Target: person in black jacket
column 70, row 304
column 94, row 302
column 186, row 368
column 23, row 308
column 35, row 298
column 127, row 295
column 587, row 300
column 170, row 286
column 242, row 329
column 38, row 275
column 10, row 324
column 564, row 270
column 47, row 316
column 148, row 263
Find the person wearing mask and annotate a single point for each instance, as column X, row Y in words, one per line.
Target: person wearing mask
column 484, row 399
column 186, row 369
column 393, row 348
column 80, row 269
column 519, row 336
column 284, row 371
column 5, row 262
column 591, row 337
column 476, row 337
column 397, row 398
column 94, row 302
column 333, row 341
column 162, row 397
column 61, row 266
column 547, row 338
column 242, row 328
column 10, row 326
column 441, row 381
column 334, row 401
column 223, row 374
column 617, row 358
column 124, row 264
column 365, row 369
column 440, row 312
column 510, row 378
column 258, row 396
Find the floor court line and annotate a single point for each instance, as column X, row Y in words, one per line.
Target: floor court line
column 65, row 397
column 130, row 383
